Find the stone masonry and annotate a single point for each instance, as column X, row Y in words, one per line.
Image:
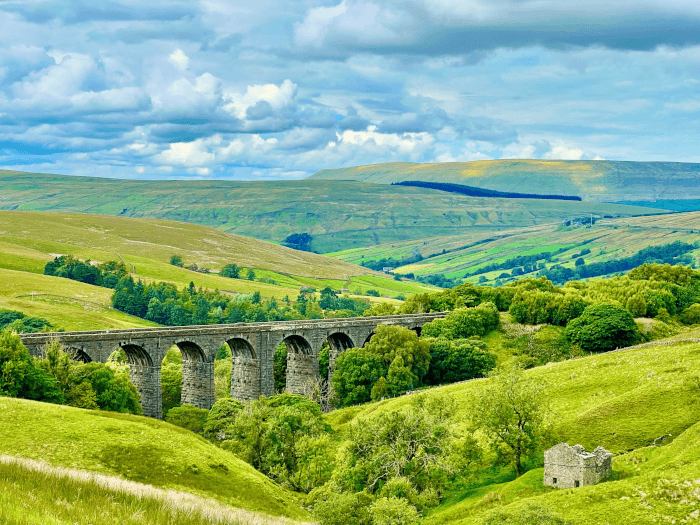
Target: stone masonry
column 568, row 467
column 252, row 353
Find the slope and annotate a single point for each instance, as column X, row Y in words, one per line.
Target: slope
column 609, row 239
column 137, row 449
column 338, row 214
column 594, row 180
column 625, row 401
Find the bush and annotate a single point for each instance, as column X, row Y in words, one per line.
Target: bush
column 452, row 361
column 356, row 371
column 603, row 327
column 691, row 315
column 530, row 514
column 393, row 511
column 113, row 392
column 231, row 271
column 220, row 416
column 464, row 322
column 189, row 417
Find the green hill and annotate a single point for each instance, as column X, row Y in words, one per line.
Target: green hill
column 628, row 402
column 338, row 214
column 137, row 449
column 592, row 180
column 609, row 239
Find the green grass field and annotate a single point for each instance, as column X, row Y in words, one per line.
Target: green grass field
column 338, row 214
column 592, row 180
column 137, row 449
column 608, row 239
column 624, row 401
column 30, row 239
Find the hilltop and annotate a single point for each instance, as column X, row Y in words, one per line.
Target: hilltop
column 592, row 180
column 337, row 214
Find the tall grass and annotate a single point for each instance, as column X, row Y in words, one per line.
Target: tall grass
column 35, row 492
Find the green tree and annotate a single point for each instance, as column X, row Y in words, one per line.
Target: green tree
column 636, row 305
column 513, row 413
column 176, row 260
column 113, row 391
column 251, row 275
column 389, row 342
column 231, row 271
column 603, row 327
column 356, row 370
column 393, row 511
column 691, row 315
column 457, row 360
column 222, row 414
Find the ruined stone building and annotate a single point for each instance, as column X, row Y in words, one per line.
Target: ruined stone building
column 568, row 467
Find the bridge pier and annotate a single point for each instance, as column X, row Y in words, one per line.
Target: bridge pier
column 146, row 379
column 302, row 371
column 197, row 384
column 245, row 379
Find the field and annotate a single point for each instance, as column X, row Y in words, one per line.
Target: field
column 592, row 180
column 338, row 214
column 608, row 239
column 30, row 239
column 625, row 401
column 130, row 448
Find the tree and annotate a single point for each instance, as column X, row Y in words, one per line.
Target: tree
column 394, row 511
column 579, row 262
column 691, row 315
column 189, row 417
column 356, row 370
column 113, row 391
column 176, row 260
column 457, row 360
column 513, row 413
column 603, row 327
column 389, row 342
column 251, row 275
column 231, row 271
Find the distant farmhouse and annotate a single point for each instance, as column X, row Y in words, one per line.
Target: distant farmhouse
column 568, row 467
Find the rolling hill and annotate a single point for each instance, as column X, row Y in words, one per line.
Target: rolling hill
column 28, row 240
column 608, row 239
column 592, row 180
column 136, row 449
column 338, row 214
column 627, row 401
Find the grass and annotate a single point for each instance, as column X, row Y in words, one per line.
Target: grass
column 137, row 449
column 606, row 181
column 608, row 239
column 338, row 214
column 625, row 401
column 35, row 492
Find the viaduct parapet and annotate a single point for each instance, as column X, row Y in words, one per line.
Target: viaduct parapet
column 252, row 352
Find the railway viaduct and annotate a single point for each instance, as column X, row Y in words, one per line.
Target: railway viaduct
column 252, row 349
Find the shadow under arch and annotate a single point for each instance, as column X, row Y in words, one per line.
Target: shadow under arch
column 78, row 354
column 241, row 348
column 339, row 342
column 191, row 351
column 137, row 355
column 296, row 344
column 368, row 338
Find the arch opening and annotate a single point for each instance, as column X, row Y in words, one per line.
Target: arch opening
column 78, row 354
column 190, row 351
column 368, row 338
column 339, row 342
column 241, row 348
column 137, row 355
column 296, row 344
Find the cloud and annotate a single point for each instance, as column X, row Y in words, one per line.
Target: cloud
column 179, row 59
column 275, row 97
column 455, row 27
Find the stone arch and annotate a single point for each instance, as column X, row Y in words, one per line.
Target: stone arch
column 298, row 345
column 245, row 370
column 78, row 354
column 191, row 351
column 338, row 342
column 417, row 330
column 368, row 337
column 241, row 347
column 146, row 379
column 137, row 355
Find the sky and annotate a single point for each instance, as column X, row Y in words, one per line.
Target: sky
column 263, row 89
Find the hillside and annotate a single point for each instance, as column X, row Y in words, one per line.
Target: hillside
column 137, row 449
column 625, row 401
column 28, row 240
column 607, row 240
column 338, row 214
column 593, row 180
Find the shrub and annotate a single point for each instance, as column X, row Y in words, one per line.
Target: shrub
column 356, row 371
column 457, row 360
column 603, row 327
column 189, row 417
column 691, row 315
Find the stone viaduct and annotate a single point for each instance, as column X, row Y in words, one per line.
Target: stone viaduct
column 252, row 348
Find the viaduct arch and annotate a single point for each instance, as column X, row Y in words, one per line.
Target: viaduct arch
column 252, row 352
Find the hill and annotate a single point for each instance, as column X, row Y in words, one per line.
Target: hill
column 629, row 402
column 337, row 214
column 471, row 253
column 30, row 239
column 137, row 449
column 592, row 180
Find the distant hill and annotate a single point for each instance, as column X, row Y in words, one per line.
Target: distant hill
column 593, row 180
column 338, row 215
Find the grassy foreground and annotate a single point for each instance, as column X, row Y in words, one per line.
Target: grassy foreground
column 137, row 449
column 633, row 402
column 35, row 492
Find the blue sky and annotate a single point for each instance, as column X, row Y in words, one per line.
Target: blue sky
column 278, row 90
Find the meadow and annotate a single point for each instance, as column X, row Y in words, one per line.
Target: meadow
column 607, row 239
column 337, row 214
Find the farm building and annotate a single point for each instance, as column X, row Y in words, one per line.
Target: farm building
column 568, row 467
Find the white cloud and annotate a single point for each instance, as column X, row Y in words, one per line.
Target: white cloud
column 191, row 154
column 179, row 59
column 277, row 97
column 562, row 151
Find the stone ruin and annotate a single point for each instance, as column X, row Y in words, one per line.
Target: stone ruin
column 567, row 467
